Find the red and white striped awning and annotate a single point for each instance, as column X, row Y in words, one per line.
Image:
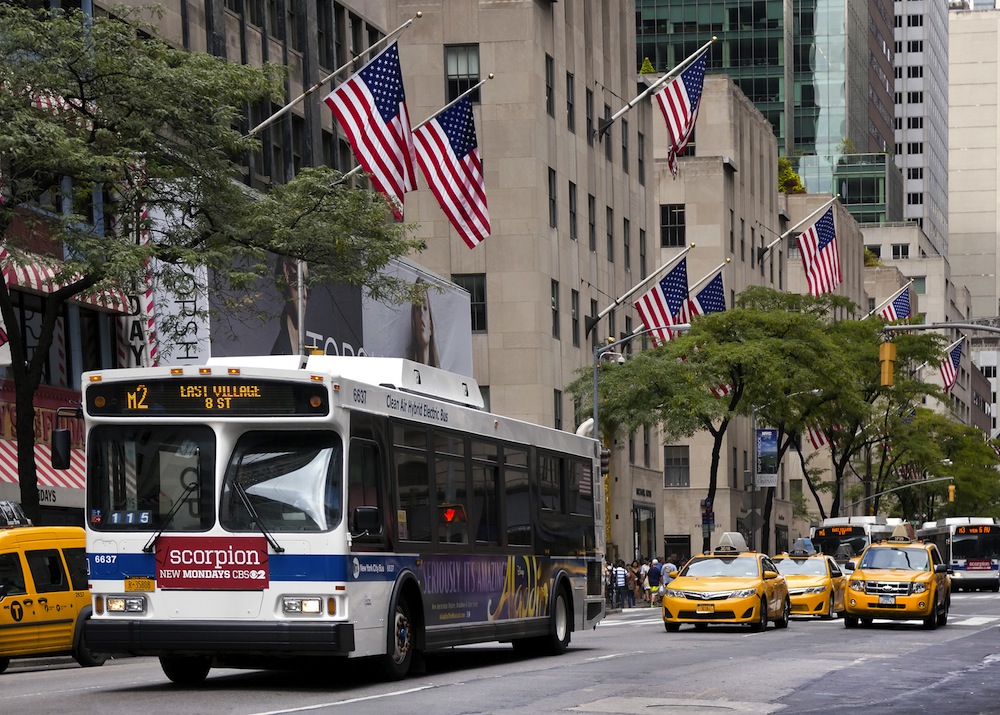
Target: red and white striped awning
column 72, row 478
column 39, row 275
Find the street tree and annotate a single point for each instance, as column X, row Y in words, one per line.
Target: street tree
column 98, row 113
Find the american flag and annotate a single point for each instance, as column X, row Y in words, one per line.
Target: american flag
column 371, row 109
column 949, row 367
column 820, row 256
column 665, row 303
column 710, row 299
column 679, row 100
column 817, row 437
column 898, row 308
column 449, row 158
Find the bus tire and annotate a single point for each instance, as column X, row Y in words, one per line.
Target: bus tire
column 399, row 646
column 186, row 669
column 560, row 624
column 83, row 655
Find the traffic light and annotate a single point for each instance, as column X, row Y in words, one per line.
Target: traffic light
column 605, row 460
column 951, row 492
column 887, row 356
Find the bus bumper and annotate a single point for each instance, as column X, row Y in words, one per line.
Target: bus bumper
column 139, row 637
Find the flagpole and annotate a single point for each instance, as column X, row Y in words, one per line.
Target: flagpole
column 605, row 124
column 589, row 323
column 456, row 100
column 890, row 299
column 761, row 252
column 710, row 274
column 288, row 107
column 946, row 351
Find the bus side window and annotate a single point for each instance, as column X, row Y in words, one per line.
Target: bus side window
column 362, row 480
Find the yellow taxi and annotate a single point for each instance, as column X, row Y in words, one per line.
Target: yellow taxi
column 44, row 594
column 730, row 584
column 899, row 579
column 816, row 584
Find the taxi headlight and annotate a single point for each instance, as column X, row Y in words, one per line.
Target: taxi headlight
column 673, row 593
column 126, row 604
column 744, row 593
column 918, row 587
column 857, row 586
column 298, row 604
column 815, row 589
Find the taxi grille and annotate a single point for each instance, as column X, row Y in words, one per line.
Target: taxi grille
column 887, row 588
column 699, row 596
column 714, row 616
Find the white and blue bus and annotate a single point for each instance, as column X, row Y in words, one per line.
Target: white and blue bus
column 970, row 546
column 255, row 510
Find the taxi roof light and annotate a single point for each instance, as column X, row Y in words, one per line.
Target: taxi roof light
column 903, row 532
column 732, row 542
column 803, row 547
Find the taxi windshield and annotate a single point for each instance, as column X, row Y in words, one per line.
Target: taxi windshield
column 722, row 566
column 896, row 558
column 801, row 567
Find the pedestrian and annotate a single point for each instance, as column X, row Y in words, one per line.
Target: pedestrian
column 643, row 570
column 630, row 577
column 653, row 576
column 667, row 569
column 636, row 582
column 609, row 586
column 621, row 581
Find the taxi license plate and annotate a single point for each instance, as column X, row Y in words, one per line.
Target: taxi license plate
column 887, row 600
column 706, row 608
column 136, row 583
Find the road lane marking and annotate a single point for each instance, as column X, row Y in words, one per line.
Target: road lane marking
column 347, row 701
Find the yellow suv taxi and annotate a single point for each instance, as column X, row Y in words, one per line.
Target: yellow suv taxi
column 899, row 579
column 44, row 593
column 730, row 584
column 815, row 582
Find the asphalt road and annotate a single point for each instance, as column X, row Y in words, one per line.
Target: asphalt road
column 629, row 664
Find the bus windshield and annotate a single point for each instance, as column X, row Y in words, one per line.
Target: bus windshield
column 976, row 546
column 293, row 482
column 150, row 478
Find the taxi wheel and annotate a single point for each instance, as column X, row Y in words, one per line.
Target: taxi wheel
column 761, row 622
column 850, row 621
column 4, row 662
column 672, row 627
column 943, row 618
column 931, row 622
column 830, row 613
column 786, row 615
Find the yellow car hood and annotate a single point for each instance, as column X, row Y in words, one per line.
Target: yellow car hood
column 805, row 581
column 708, row 584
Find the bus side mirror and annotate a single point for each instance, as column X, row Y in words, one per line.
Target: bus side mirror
column 366, row 520
column 61, row 449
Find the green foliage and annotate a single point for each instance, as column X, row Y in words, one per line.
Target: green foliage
column 789, row 182
column 157, row 131
column 647, row 67
column 871, row 260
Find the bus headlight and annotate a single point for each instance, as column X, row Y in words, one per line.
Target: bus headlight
column 126, row 604
column 298, row 604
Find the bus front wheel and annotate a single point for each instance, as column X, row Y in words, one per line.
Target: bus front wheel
column 186, row 670
column 399, row 654
column 560, row 635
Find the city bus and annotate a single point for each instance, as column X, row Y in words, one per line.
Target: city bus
column 254, row 510
column 970, row 546
column 845, row 537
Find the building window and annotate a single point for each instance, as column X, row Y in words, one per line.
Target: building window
column 915, row 46
column 915, row 172
column 642, row 253
column 607, row 140
column 919, row 285
column 672, row 232
column 915, row 148
column 593, row 333
column 592, row 221
column 640, row 158
column 553, row 214
column 627, row 245
column 574, row 307
column 550, row 80
column 914, row 20
column 573, row 233
column 914, row 97
column 900, row 251
column 914, row 198
column 915, row 71
column 676, row 466
column 645, row 446
column 461, row 71
column 557, row 409
column 570, row 101
column 914, row 122
column 589, row 110
column 625, row 146
column 610, row 227
column 475, row 284
column 555, row 309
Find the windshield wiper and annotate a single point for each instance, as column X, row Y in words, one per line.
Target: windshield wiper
column 170, row 517
column 255, row 517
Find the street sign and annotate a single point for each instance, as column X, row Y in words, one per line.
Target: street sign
column 753, row 520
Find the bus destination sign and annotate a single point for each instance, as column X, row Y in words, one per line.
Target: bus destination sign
column 975, row 529
column 192, row 396
column 839, row 531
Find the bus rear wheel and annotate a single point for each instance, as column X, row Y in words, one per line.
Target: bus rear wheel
column 186, row 669
column 399, row 653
